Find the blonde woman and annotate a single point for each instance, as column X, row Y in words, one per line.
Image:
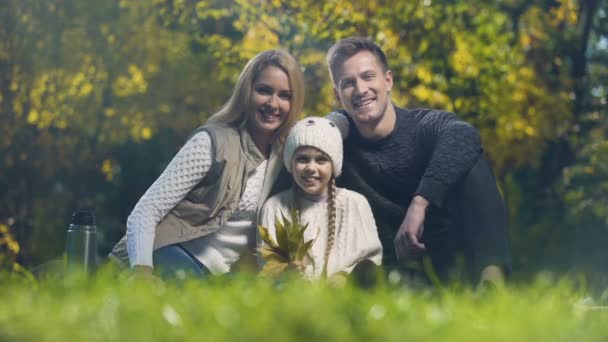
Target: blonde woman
column 200, row 215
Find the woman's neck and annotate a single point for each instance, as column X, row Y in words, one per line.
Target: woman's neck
column 262, row 141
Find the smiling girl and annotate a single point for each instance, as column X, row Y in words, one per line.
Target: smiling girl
column 339, row 220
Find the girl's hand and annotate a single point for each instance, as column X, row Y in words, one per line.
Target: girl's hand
column 338, row 280
column 299, row 265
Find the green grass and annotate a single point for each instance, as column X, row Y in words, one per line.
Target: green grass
column 112, row 307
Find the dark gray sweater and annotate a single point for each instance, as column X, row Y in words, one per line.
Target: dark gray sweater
column 427, row 153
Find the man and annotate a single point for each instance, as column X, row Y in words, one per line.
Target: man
column 431, row 189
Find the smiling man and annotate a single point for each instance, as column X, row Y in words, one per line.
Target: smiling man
column 431, row 189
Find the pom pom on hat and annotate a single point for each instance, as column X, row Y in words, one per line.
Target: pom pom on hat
column 316, row 132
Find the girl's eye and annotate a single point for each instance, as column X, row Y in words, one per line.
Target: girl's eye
column 285, row 96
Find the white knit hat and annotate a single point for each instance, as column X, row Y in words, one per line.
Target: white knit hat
column 316, row 132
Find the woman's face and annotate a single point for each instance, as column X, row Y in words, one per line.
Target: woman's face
column 271, row 101
column 312, row 170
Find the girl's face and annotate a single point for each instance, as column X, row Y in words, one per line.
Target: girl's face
column 312, row 170
column 271, row 101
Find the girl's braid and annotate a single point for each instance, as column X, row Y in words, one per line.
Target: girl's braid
column 331, row 220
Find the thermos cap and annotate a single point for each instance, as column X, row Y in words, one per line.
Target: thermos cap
column 83, row 218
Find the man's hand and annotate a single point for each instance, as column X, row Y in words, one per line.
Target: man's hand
column 491, row 276
column 407, row 240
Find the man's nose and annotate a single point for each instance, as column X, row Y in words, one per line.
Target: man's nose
column 361, row 87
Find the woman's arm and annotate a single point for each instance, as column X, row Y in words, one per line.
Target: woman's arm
column 186, row 169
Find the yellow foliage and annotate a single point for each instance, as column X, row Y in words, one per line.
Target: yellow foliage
column 258, row 38
column 107, row 168
column 519, row 95
column 8, row 244
column 433, row 97
column 530, row 131
column 32, row 116
column 463, row 61
column 526, row 72
column 133, row 84
column 424, row 74
column 86, row 89
column 566, row 12
column 146, row 133
column 525, row 40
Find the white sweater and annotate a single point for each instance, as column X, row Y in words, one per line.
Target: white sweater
column 355, row 239
column 217, row 251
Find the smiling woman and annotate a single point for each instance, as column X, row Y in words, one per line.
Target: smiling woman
column 199, row 216
column 270, row 104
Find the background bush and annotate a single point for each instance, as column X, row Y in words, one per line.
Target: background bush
column 96, row 96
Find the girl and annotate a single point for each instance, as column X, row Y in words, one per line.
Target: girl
column 339, row 220
column 199, row 215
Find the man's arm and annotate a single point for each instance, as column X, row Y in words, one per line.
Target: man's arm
column 341, row 121
column 454, row 147
column 407, row 240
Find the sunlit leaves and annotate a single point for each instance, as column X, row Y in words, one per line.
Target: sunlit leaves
column 131, row 84
column 9, row 248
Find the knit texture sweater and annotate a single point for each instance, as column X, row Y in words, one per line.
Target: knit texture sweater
column 217, row 251
column 355, row 238
column 427, row 152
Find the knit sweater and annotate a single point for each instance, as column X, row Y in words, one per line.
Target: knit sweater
column 355, row 238
column 426, row 153
column 217, row 251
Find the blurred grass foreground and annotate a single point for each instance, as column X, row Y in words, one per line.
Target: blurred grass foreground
column 114, row 307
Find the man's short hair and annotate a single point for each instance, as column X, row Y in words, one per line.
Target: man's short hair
column 348, row 47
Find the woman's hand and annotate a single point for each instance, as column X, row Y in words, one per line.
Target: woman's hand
column 145, row 273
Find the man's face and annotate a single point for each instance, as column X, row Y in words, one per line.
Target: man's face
column 363, row 88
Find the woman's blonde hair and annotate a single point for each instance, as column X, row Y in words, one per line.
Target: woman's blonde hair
column 236, row 110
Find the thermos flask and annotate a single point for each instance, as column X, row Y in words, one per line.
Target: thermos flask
column 81, row 244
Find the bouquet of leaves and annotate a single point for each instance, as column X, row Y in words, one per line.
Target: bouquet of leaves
column 289, row 251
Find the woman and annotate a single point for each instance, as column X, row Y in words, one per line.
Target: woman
column 199, row 215
column 339, row 221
